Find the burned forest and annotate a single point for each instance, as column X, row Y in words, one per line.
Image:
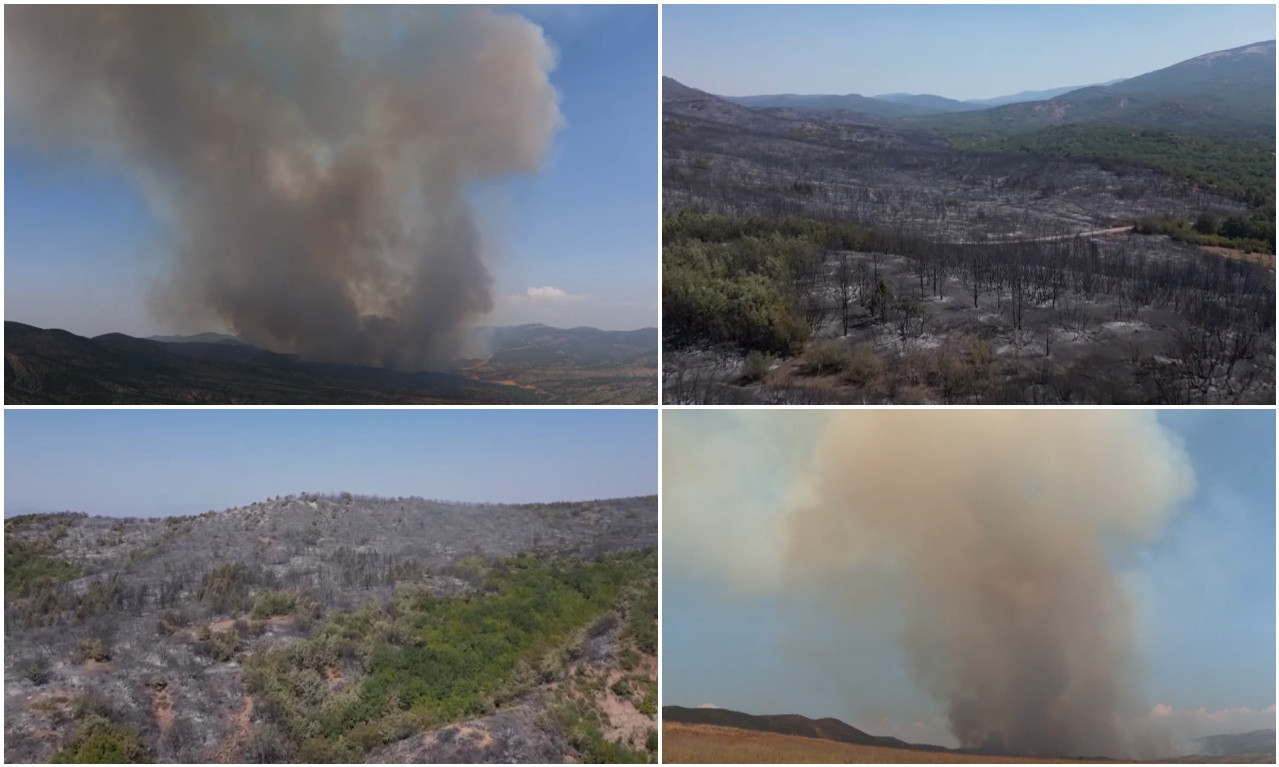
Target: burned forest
column 335, row 628
column 831, row 257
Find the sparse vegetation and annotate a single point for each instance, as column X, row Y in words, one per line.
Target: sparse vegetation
column 887, row 245
column 447, row 612
column 433, row 660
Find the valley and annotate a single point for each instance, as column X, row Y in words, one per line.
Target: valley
column 1111, row 245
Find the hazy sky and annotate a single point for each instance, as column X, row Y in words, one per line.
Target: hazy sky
column 962, row 52
column 1205, row 590
column 160, row 462
column 82, row 248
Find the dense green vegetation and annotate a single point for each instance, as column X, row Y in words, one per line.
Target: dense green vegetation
column 269, row 604
column 1239, row 167
column 422, row 661
column 739, row 281
column 31, row 567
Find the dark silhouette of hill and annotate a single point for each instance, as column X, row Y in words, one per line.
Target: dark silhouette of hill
column 198, row 338
column 54, row 367
column 827, row 728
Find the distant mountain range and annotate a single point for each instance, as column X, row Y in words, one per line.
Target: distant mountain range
column 1224, row 91
column 941, row 104
column 580, row 365
column 1255, row 742
column 893, row 104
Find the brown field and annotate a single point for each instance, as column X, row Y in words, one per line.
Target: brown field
column 701, row 743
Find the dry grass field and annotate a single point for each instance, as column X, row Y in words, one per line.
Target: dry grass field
column 700, row 743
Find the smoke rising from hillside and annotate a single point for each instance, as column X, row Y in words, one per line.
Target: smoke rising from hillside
column 985, row 531
column 313, row 162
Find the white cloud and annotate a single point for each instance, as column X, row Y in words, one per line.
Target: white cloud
column 554, row 294
column 559, row 308
column 707, row 705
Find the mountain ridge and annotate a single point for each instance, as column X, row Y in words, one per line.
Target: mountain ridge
column 53, row 366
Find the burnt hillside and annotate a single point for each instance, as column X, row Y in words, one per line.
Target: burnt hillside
column 320, row 628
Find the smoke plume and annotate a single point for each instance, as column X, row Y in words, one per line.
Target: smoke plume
column 989, row 532
column 313, row 162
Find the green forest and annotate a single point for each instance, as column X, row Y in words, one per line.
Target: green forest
column 1239, row 167
column 738, row 281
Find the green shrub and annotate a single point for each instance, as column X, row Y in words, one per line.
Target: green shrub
column 648, row 706
column 863, row 364
column 269, row 604
column 757, row 366
column 826, row 357
column 100, row 741
column 221, row 646
column 92, row 649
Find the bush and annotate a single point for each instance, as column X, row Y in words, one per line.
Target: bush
column 981, row 355
column 648, row 706
column 863, row 364
column 221, row 646
column 757, row 366
column 272, row 603
column 38, row 672
column 826, row 357
column 100, row 741
column 226, row 588
column 92, row 649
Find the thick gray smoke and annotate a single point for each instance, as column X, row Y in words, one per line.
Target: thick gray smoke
column 313, row 162
column 987, row 531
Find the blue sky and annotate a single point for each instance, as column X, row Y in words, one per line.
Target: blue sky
column 82, row 249
column 961, row 52
column 160, row 462
column 1204, row 588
